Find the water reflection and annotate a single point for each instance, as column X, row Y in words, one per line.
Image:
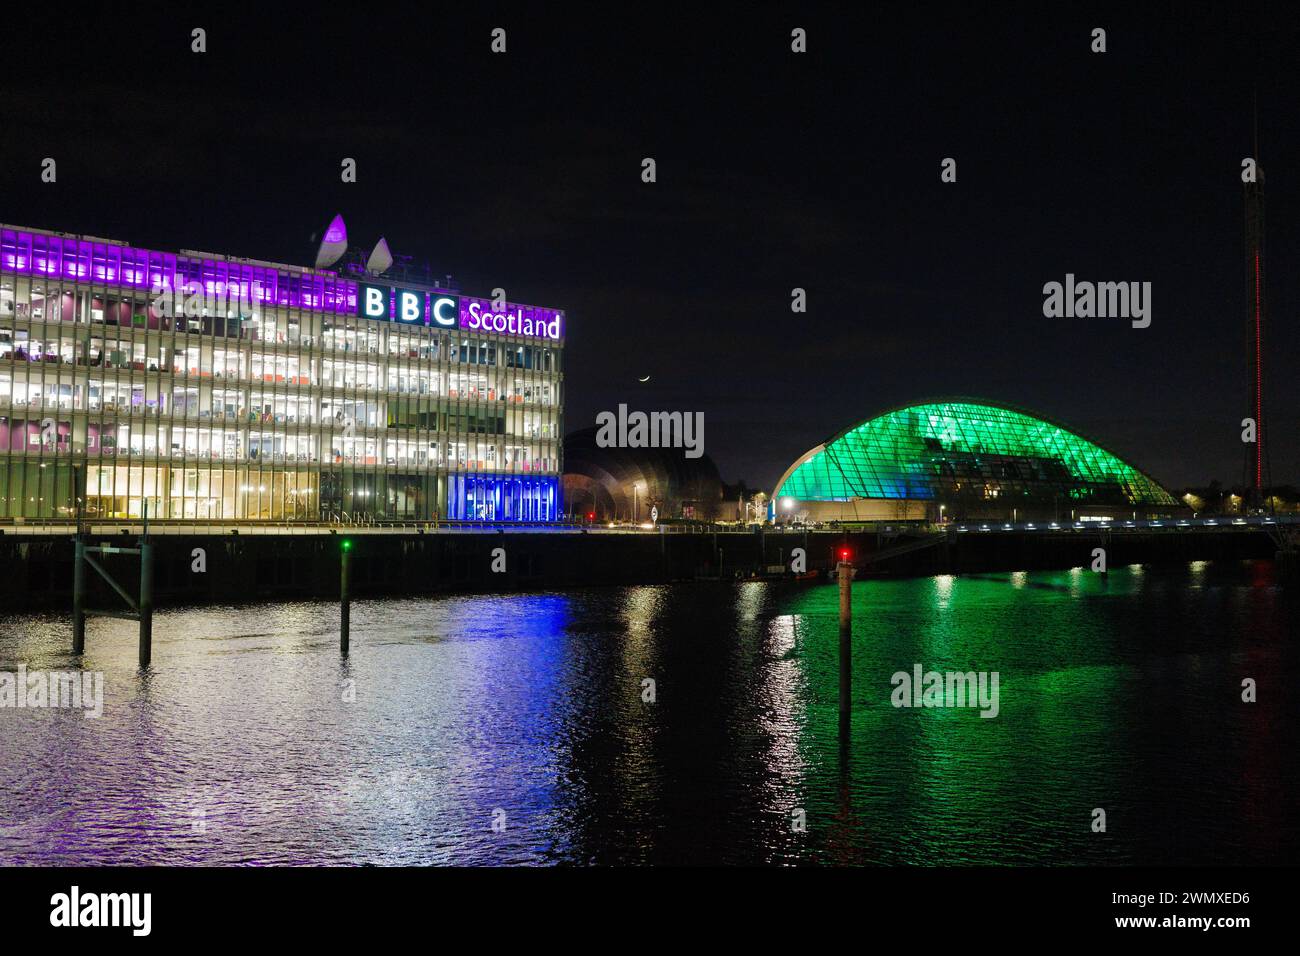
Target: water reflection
column 523, row 729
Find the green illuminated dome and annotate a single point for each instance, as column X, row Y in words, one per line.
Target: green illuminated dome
column 971, row 457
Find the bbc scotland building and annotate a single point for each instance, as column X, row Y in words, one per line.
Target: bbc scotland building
column 209, row 388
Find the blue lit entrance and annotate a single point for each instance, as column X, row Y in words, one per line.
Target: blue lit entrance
column 502, row 498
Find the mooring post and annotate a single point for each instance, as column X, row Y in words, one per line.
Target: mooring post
column 345, row 593
column 79, row 596
column 846, row 632
column 663, row 554
column 78, row 565
column 146, row 592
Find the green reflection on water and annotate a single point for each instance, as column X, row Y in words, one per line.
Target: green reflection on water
column 956, row 787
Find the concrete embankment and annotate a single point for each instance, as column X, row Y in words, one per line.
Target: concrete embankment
column 36, row 570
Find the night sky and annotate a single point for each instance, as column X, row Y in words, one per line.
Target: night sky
column 775, row 170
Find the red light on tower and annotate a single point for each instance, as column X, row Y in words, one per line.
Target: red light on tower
column 591, row 516
column 844, row 554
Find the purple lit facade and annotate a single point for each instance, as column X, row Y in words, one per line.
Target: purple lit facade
column 100, row 263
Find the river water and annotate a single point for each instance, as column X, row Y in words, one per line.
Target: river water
column 517, row 729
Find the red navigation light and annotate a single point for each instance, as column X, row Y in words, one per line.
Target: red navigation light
column 844, row 554
column 591, row 516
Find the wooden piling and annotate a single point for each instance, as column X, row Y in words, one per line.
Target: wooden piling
column 79, row 596
column 345, row 595
column 146, row 602
column 145, row 609
column 845, row 570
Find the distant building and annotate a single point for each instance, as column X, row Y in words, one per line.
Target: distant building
column 1216, row 499
column 624, row 484
column 962, row 459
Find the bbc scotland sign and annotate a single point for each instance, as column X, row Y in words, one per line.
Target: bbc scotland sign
column 407, row 306
column 415, row 307
column 478, row 315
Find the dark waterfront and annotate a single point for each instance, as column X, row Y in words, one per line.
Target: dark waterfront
column 239, row 747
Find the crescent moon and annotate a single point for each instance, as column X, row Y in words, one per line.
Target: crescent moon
column 646, row 379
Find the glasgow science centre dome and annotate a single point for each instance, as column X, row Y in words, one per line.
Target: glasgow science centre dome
column 964, row 459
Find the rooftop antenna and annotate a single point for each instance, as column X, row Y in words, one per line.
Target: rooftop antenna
column 1256, row 464
column 381, row 259
column 405, row 262
column 1255, row 109
column 333, row 245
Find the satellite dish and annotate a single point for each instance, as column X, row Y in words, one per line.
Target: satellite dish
column 380, row 259
column 333, row 245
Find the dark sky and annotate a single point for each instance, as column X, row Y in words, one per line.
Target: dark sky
column 775, row 170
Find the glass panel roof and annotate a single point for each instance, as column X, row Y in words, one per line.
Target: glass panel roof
column 965, row 450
